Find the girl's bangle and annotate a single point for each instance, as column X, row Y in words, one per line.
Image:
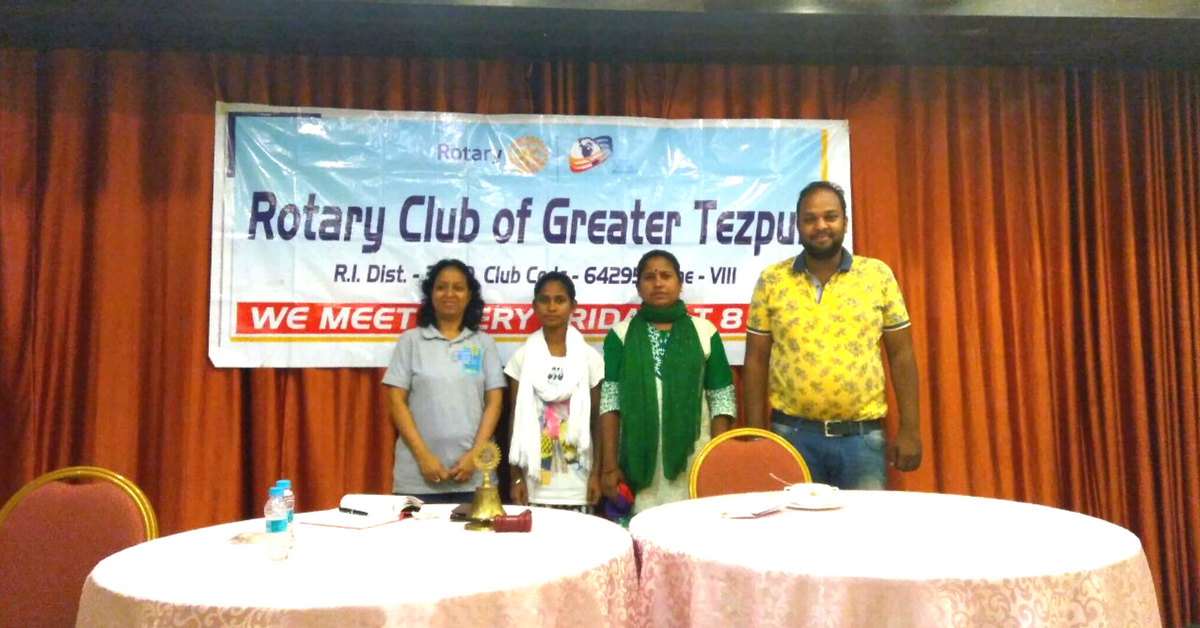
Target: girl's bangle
column 606, row 471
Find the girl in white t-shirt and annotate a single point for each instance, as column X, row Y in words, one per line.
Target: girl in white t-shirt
column 554, row 386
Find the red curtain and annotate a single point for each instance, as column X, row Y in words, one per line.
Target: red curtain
column 1041, row 221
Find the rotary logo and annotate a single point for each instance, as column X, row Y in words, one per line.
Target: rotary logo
column 589, row 152
column 527, row 154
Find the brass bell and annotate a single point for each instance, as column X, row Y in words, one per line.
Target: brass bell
column 486, row 504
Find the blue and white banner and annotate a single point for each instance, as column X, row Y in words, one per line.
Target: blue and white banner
column 325, row 220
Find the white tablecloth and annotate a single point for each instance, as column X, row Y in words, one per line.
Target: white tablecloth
column 889, row 559
column 571, row 570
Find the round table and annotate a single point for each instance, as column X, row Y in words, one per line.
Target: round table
column 571, row 570
column 889, row 559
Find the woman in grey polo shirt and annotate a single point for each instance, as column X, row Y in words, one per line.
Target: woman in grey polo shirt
column 445, row 389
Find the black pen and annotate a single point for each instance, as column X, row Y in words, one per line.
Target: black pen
column 351, row 511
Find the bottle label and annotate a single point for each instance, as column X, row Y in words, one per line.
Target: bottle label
column 276, row 525
column 291, row 515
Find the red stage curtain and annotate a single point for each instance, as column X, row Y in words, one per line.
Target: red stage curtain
column 1041, row 221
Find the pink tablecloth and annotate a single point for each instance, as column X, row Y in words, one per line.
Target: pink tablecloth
column 571, row 570
column 890, row 559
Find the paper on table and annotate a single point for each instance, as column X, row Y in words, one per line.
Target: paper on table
column 751, row 512
column 336, row 519
column 381, row 504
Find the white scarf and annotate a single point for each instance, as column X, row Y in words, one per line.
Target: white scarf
column 535, row 391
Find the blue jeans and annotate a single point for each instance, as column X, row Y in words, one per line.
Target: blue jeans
column 847, row 462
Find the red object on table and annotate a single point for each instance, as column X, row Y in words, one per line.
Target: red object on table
column 514, row 523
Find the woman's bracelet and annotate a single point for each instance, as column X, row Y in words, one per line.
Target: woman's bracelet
column 612, row 470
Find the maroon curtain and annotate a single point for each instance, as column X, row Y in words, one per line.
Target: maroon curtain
column 1042, row 224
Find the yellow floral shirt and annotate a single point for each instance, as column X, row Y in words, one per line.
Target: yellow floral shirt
column 825, row 360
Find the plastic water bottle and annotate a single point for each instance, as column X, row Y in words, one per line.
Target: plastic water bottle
column 277, row 534
column 290, row 499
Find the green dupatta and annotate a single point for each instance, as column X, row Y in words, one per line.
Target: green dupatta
column 682, row 369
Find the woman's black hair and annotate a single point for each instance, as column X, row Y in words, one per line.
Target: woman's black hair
column 653, row 254
column 560, row 277
column 472, row 314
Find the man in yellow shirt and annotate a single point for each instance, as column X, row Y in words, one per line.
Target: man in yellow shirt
column 812, row 349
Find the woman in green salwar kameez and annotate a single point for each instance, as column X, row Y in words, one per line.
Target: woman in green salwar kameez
column 667, row 390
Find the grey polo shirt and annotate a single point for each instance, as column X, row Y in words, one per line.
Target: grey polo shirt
column 445, row 380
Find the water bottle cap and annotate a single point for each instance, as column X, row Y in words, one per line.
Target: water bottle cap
column 284, row 483
column 276, row 491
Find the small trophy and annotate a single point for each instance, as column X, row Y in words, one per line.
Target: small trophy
column 486, row 505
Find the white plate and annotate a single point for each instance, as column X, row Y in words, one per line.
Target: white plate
column 830, row 506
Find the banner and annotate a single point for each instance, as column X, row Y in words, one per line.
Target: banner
column 325, row 220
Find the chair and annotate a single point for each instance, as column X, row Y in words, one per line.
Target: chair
column 742, row 461
column 54, row 531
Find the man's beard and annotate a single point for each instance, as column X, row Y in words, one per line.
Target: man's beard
column 819, row 254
